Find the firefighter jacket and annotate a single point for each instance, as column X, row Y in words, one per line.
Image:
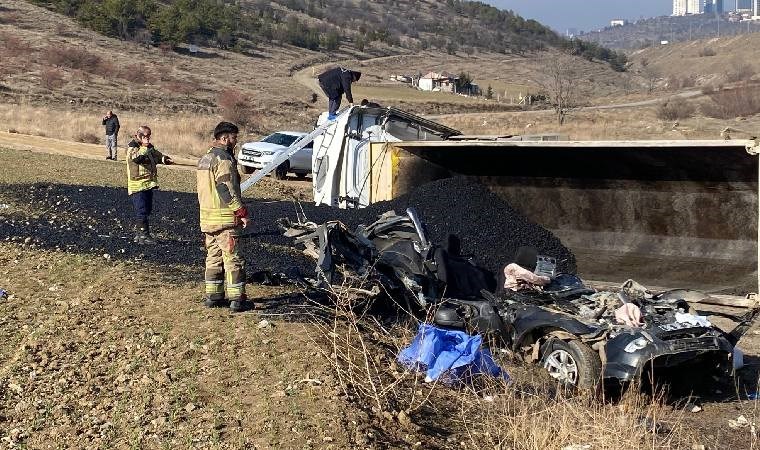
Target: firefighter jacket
column 219, row 196
column 142, row 173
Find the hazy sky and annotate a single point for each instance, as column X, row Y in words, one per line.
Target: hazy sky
column 584, row 15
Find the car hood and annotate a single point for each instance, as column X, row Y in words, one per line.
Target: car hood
column 263, row 146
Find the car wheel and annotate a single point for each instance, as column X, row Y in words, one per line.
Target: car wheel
column 301, row 175
column 572, row 363
column 281, row 172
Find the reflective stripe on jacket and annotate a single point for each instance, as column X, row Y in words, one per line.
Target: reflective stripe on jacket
column 142, row 173
column 218, row 190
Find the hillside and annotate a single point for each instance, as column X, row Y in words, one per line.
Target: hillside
column 650, row 32
column 65, row 77
column 378, row 28
column 713, row 61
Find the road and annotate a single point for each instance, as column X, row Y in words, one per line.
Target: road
column 38, row 144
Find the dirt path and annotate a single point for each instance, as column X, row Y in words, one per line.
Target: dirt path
column 38, row 144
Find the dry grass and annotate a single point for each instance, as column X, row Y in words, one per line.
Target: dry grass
column 525, row 413
column 612, row 124
column 183, row 134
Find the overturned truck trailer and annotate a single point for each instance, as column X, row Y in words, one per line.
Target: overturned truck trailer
column 667, row 213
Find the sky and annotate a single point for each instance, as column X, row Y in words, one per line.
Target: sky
column 584, row 15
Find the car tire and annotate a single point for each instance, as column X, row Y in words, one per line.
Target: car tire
column 281, row 172
column 301, row 175
column 572, row 363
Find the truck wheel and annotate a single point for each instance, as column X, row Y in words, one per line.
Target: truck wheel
column 572, row 363
column 281, row 172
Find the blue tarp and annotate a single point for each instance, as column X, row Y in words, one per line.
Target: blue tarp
column 454, row 353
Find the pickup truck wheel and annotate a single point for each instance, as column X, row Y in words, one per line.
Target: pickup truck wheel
column 572, row 363
column 281, row 172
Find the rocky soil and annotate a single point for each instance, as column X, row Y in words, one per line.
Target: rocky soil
column 104, row 344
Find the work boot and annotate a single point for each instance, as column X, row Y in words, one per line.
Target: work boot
column 240, row 305
column 144, row 238
column 215, row 301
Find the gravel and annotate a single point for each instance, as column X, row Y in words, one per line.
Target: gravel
column 98, row 220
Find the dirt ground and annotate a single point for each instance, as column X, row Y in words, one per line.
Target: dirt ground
column 106, row 345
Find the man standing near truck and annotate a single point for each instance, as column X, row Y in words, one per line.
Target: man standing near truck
column 223, row 216
column 111, row 122
column 336, row 82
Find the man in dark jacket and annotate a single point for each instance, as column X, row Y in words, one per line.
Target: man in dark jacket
column 111, row 122
column 336, row 82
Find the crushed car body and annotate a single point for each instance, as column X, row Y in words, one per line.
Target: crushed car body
column 567, row 327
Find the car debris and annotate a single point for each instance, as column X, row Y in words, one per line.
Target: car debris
column 567, row 327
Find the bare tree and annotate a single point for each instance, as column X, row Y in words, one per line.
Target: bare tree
column 560, row 84
column 651, row 75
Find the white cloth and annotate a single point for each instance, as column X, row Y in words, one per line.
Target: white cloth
column 691, row 319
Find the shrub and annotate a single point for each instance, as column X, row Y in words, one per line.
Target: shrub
column 732, row 103
column 88, row 138
column 708, row 89
column 136, row 73
column 51, row 78
column 236, row 106
column 688, row 82
column 73, row 57
column 675, row 108
column 179, row 87
column 740, row 72
column 13, row 46
column 706, row 51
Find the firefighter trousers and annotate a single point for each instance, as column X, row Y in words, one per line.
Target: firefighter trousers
column 224, row 266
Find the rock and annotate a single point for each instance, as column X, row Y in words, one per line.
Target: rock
column 740, row 422
column 692, row 407
column 264, row 324
column 190, row 407
column 405, row 420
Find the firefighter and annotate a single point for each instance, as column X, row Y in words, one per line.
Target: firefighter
column 142, row 180
column 223, row 216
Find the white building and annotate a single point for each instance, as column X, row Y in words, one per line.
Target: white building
column 695, row 7
column 679, row 7
column 756, row 8
column 618, row 22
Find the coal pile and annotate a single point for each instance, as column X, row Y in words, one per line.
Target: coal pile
column 489, row 228
column 98, row 220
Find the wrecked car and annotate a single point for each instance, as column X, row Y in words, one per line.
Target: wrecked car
column 565, row 326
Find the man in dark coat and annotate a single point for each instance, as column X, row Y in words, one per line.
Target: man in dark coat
column 336, row 82
column 111, row 122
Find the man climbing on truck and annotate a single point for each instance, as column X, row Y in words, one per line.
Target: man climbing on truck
column 336, row 82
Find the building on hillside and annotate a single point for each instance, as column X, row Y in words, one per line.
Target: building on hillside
column 679, row 7
column 695, row 7
column 618, row 22
column 434, row 81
